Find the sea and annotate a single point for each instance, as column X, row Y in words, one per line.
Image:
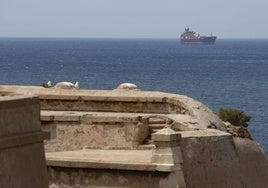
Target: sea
column 233, row 73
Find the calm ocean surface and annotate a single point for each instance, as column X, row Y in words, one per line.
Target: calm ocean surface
column 229, row 74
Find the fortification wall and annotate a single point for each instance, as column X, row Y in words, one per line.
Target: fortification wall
column 132, row 138
column 219, row 160
column 75, row 177
column 22, row 158
column 80, row 130
column 120, row 100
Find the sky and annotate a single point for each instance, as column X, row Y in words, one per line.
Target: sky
column 133, row 18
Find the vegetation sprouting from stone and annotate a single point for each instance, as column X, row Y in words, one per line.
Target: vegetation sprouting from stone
column 235, row 117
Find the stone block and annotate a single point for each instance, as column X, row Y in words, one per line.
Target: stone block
column 103, row 130
column 165, row 155
column 22, row 158
column 166, row 144
column 166, row 135
column 19, row 114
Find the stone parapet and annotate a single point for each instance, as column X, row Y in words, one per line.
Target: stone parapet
column 20, row 114
column 163, row 159
column 120, row 101
column 168, row 153
column 22, row 157
column 134, row 138
column 22, row 139
column 125, row 163
column 213, row 158
column 78, row 130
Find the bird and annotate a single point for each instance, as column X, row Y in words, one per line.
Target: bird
column 67, row 85
column 47, row 85
column 76, row 85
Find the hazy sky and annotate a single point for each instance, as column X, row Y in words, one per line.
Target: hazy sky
column 133, row 18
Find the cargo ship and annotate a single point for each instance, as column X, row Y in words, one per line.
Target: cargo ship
column 189, row 37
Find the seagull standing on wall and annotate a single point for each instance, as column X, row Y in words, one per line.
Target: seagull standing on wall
column 49, row 84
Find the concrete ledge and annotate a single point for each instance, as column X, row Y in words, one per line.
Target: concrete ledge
column 166, row 135
column 94, row 117
column 126, row 101
column 122, row 119
column 13, row 101
column 22, row 139
column 140, row 160
column 180, row 122
column 22, row 158
column 203, row 133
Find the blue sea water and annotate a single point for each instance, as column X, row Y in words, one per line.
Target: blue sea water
column 229, row 74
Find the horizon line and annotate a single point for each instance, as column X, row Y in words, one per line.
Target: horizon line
column 74, row 37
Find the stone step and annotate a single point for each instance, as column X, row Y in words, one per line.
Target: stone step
column 147, row 146
column 157, row 121
column 156, row 126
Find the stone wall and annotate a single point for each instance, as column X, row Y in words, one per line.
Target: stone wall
column 216, row 159
column 120, row 101
column 22, row 158
column 102, row 131
column 115, row 124
column 96, row 178
column 152, row 168
column 107, row 106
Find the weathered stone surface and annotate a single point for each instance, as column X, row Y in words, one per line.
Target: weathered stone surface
column 22, row 160
column 222, row 161
column 166, row 135
column 121, row 101
column 103, row 159
column 164, row 155
column 238, row 131
column 132, row 160
column 72, row 177
column 210, row 162
column 19, row 114
column 95, row 130
column 206, row 155
column 253, row 164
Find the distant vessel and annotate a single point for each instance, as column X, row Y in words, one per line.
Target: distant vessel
column 189, row 37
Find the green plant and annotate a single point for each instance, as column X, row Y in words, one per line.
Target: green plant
column 235, row 117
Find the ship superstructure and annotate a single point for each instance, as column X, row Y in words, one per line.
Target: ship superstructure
column 190, row 37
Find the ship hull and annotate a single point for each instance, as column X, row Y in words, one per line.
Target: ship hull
column 199, row 41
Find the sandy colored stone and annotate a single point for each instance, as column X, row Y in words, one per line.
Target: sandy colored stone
column 22, row 159
column 207, row 155
column 93, row 130
column 121, row 101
